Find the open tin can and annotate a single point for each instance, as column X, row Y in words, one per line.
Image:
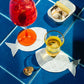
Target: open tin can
column 61, row 10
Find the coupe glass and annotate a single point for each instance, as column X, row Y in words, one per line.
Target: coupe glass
column 23, row 13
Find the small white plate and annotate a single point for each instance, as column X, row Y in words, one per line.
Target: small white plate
column 69, row 5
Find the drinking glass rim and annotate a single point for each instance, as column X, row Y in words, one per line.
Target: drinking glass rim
column 52, row 31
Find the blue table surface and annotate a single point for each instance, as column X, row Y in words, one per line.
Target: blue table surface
column 11, row 68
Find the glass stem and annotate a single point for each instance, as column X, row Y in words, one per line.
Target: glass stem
column 25, row 28
column 26, row 31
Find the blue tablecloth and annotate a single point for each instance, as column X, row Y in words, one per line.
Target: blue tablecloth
column 11, row 68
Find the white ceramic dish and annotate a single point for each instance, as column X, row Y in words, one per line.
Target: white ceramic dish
column 69, row 5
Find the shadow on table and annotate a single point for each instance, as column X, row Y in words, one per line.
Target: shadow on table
column 68, row 79
column 78, row 50
column 31, row 61
column 78, row 40
column 79, row 5
column 23, row 75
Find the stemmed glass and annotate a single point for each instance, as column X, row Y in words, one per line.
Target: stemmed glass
column 23, row 13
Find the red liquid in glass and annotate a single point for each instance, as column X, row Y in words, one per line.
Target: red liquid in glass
column 22, row 12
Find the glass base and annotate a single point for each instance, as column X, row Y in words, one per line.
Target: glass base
column 26, row 37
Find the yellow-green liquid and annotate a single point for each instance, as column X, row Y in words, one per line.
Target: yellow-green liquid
column 53, row 45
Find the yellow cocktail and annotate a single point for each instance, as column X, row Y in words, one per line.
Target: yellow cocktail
column 54, row 40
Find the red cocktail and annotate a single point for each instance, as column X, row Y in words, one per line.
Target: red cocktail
column 23, row 13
